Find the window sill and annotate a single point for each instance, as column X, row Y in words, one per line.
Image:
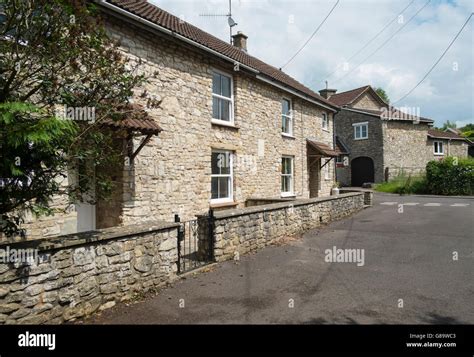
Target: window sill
column 435, row 154
column 287, row 136
column 361, row 138
column 326, row 129
column 224, row 123
column 288, row 195
column 223, row 204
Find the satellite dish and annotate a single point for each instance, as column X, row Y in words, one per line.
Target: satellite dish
column 231, row 22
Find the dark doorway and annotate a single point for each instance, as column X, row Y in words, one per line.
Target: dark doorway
column 362, row 170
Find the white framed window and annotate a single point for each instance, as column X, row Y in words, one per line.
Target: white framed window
column 286, row 116
column 438, row 148
column 222, row 97
column 325, row 122
column 327, row 169
column 287, row 181
column 361, row 130
column 221, row 176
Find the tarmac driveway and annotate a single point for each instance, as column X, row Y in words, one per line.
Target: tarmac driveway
column 409, row 274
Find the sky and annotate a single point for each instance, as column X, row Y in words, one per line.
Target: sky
column 277, row 29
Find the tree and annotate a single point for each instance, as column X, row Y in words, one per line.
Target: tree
column 468, row 127
column 382, row 94
column 55, row 54
column 448, row 124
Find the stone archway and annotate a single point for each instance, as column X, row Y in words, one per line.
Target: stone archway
column 362, row 171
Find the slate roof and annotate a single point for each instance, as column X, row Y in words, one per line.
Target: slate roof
column 347, row 97
column 438, row 134
column 162, row 18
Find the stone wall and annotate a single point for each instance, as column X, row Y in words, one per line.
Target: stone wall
column 456, row 148
column 406, row 147
column 396, row 147
column 371, row 147
column 172, row 172
column 366, row 101
column 79, row 274
column 247, row 229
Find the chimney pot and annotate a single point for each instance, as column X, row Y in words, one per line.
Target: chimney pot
column 327, row 93
column 240, row 41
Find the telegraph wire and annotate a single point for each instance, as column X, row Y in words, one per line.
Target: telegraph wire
column 384, row 43
column 312, row 35
column 438, row 60
column 372, row 39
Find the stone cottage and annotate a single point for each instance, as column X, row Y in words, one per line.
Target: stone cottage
column 229, row 128
column 381, row 141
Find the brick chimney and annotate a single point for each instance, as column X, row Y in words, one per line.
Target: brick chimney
column 240, row 40
column 327, row 93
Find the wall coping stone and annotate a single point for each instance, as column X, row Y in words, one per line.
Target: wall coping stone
column 355, row 189
column 76, row 239
column 275, row 200
column 276, row 206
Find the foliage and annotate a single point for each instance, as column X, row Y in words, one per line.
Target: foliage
column 448, row 124
column 404, row 185
column 468, row 127
column 382, row 94
column 451, row 176
column 56, row 54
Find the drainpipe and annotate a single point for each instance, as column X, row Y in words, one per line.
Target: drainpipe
column 302, row 154
column 334, row 142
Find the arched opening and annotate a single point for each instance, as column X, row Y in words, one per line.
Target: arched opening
column 362, row 170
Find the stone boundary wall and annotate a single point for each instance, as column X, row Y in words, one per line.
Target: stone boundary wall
column 79, row 274
column 247, row 229
column 265, row 201
column 368, row 194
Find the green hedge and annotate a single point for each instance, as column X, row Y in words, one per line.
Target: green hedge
column 450, row 176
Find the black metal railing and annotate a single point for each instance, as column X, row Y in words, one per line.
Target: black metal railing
column 195, row 242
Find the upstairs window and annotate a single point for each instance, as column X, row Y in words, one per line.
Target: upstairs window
column 286, row 117
column 325, row 123
column 361, row 130
column 438, row 148
column 222, row 97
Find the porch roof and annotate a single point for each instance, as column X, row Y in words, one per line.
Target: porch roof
column 138, row 120
column 323, row 148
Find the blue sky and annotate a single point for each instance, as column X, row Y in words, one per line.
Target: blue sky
column 278, row 28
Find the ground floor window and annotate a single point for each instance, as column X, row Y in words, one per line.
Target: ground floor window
column 221, row 176
column 438, row 148
column 287, row 176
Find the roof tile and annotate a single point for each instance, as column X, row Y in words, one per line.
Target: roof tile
column 162, row 18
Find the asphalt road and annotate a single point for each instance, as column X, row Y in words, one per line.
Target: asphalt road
column 408, row 255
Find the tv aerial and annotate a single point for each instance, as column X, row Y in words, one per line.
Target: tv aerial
column 230, row 20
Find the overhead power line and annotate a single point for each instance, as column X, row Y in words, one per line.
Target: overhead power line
column 312, row 35
column 372, row 39
column 384, row 43
column 438, row 60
